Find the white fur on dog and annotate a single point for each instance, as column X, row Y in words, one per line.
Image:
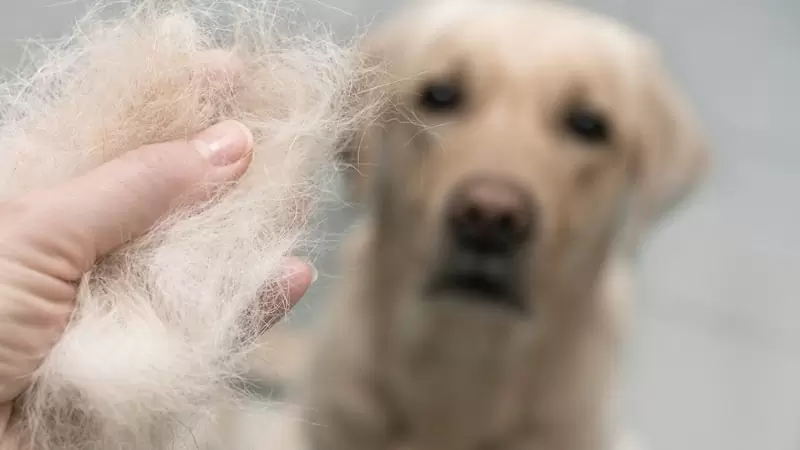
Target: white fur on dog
column 164, row 325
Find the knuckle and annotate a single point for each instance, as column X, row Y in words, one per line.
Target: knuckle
column 20, row 207
column 20, row 215
column 170, row 164
column 55, row 316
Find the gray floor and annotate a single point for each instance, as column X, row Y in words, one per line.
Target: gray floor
column 715, row 360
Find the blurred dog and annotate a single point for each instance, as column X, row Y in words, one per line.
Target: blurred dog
column 528, row 149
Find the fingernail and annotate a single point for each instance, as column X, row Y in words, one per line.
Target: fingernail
column 225, row 143
column 314, row 273
column 296, row 265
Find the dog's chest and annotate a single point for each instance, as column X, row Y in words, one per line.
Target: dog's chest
column 459, row 372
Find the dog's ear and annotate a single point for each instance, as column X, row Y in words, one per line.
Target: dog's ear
column 672, row 154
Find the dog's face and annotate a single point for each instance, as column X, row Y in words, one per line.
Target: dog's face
column 522, row 143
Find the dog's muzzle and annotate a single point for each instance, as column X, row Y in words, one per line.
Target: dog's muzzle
column 489, row 224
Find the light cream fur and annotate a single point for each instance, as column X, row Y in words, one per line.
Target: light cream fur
column 396, row 370
column 165, row 326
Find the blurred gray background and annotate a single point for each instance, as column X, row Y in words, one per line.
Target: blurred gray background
column 714, row 363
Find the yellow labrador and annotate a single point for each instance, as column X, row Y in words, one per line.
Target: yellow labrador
column 526, row 149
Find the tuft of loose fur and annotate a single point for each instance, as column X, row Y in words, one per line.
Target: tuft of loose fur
column 165, row 324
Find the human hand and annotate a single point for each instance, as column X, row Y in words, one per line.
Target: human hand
column 50, row 238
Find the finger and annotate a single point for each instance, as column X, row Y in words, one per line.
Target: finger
column 125, row 197
column 298, row 276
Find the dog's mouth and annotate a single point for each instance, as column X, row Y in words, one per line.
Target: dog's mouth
column 488, row 280
column 488, row 228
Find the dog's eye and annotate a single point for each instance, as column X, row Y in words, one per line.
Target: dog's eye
column 588, row 125
column 441, row 97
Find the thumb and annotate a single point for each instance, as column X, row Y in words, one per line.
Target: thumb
column 123, row 198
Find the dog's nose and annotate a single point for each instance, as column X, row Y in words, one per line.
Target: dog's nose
column 491, row 215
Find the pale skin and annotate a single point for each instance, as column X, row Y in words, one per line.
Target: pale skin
column 50, row 238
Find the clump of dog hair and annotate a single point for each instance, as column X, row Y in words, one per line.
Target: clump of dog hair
column 164, row 325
